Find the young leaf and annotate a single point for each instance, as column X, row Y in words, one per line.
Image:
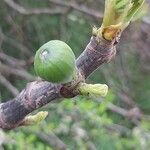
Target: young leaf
column 121, row 11
column 115, row 11
column 136, row 5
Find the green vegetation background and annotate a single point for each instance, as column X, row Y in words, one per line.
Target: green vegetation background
column 81, row 123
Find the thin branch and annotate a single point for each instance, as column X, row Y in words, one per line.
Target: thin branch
column 80, row 8
column 8, row 85
column 14, row 43
column 12, row 61
column 122, row 130
column 133, row 114
column 33, row 11
column 17, row 72
column 118, row 110
column 51, row 139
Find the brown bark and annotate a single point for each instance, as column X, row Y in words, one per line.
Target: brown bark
column 39, row 93
column 97, row 52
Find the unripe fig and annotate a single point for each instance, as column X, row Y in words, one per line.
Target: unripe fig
column 55, row 62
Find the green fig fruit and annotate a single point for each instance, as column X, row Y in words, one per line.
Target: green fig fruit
column 55, row 62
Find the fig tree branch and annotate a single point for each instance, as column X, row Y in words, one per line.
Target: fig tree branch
column 101, row 49
column 39, row 93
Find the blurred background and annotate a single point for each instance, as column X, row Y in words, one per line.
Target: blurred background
column 121, row 121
